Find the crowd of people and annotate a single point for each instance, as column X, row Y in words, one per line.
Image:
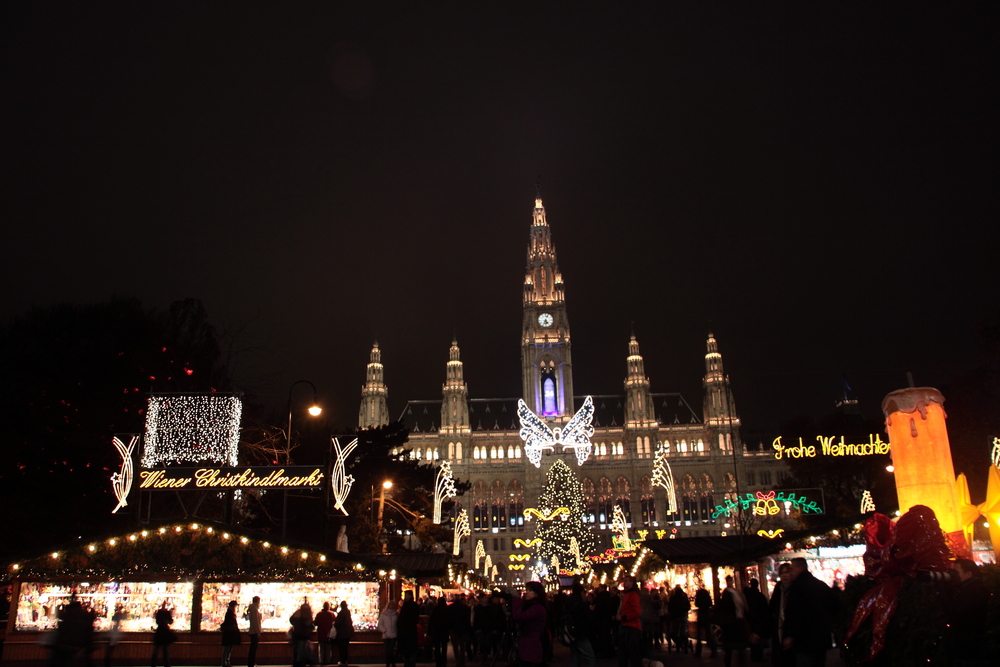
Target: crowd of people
column 797, row 622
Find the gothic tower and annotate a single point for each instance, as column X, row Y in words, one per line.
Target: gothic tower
column 455, row 395
column 546, row 364
column 374, row 394
column 638, row 403
column 719, row 408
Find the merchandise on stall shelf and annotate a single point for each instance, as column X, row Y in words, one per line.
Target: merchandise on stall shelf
column 38, row 603
column 279, row 599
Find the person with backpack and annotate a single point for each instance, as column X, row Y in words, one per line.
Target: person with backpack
column 577, row 627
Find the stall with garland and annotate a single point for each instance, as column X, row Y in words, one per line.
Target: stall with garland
column 195, row 568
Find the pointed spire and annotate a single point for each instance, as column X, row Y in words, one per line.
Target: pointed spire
column 454, row 394
column 639, row 403
column 374, row 394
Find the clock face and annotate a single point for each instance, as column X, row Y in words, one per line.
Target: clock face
column 545, row 320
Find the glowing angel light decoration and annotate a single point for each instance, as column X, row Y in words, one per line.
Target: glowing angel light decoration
column 121, row 481
column 539, row 438
column 662, row 476
column 493, row 574
column 444, row 487
column 574, row 550
column 487, row 565
column 620, row 527
column 341, row 482
column 867, row 503
column 480, row 552
column 462, row 530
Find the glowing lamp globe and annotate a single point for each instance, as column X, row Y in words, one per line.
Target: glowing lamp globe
column 315, row 410
column 921, row 457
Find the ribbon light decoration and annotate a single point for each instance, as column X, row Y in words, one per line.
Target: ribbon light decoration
column 662, row 476
column 121, row 481
column 444, row 487
column 340, row 481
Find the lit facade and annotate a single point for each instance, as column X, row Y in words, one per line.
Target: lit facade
column 480, row 437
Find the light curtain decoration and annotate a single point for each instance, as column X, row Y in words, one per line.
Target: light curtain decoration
column 444, row 487
column 192, row 428
column 340, row 481
column 121, row 481
column 461, row 531
column 662, row 476
column 539, row 438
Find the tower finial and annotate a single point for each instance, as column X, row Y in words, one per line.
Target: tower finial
column 538, row 187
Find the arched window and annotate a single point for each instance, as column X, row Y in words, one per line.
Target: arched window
column 689, row 499
column 475, row 452
column 451, row 451
column 589, row 501
column 480, row 515
column 624, row 498
column 707, row 498
column 458, row 451
column 498, row 506
column 648, row 502
column 605, row 504
column 500, row 452
column 515, row 494
column 510, row 451
column 701, row 445
column 645, row 440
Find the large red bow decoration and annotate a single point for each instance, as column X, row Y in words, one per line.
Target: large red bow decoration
column 914, row 544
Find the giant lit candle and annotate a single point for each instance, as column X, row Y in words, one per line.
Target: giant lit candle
column 921, row 457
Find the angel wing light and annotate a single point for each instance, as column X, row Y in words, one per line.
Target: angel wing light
column 461, row 530
column 444, row 487
column 539, row 438
column 662, row 476
column 121, row 481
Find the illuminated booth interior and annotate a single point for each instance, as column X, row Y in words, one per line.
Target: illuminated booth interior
column 279, row 599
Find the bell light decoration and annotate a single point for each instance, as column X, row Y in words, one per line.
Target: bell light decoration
column 921, row 457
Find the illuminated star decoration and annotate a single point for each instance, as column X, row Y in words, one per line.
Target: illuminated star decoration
column 121, row 482
column 461, row 530
column 538, row 437
column 620, row 528
column 867, row 503
column 662, row 476
column 444, row 487
column 480, row 552
column 341, row 482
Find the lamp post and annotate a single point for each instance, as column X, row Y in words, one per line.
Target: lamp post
column 315, row 410
column 386, row 485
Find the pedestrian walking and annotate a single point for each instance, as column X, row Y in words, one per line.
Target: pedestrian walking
column 438, row 630
column 530, row 613
column 809, row 615
column 703, row 601
column 630, row 629
column 302, row 628
column 324, row 628
column 409, row 618
column 230, row 634
column 164, row 635
column 344, row 625
column 757, row 620
column 459, row 627
column 388, row 625
column 581, row 650
column 115, row 635
column 254, row 617
column 678, row 608
column 776, row 611
column 731, row 616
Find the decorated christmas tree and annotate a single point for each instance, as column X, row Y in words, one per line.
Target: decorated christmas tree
column 560, row 526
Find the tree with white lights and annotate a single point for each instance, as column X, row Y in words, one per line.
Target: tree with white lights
column 557, row 534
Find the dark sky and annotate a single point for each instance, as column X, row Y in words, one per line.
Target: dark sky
column 816, row 185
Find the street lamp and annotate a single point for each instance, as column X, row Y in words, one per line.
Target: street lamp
column 386, row 485
column 315, row 410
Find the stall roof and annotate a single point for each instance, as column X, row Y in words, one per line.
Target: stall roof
column 714, row 549
column 417, row 564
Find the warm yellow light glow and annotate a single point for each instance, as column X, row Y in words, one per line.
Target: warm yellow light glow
column 284, row 550
column 209, row 530
column 387, row 484
column 132, row 538
column 15, row 566
column 322, row 558
column 194, row 526
column 244, row 540
column 177, row 529
column 91, row 548
column 304, row 555
column 55, row 554
column 162, row 530
column 315, row 410
column 112, row 542
column 225, row 536
column 921, row 454
column 890, row 468
column 267, row 545
column 145, row 533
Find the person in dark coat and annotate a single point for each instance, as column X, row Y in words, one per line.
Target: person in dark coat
column 438, row 631
column 703, row 601
column 581, row 651
column 344, row 625
column 967, row 613
column 324, row 624
column 406, row 629
column 302, row 628
column 230, row 634
column 530, row 614
column 459, row 627
column 776, row 612
column 678, row 608
column 757, row 620
column 731, row 615
column 73, row 633
column 164, row 636
column 604, row 611
column 809, row 613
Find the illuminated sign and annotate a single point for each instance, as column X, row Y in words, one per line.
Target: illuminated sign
column 828, row 447
column 766, row 503
column 258, row 477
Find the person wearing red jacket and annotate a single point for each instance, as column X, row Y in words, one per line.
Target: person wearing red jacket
column 630, row 633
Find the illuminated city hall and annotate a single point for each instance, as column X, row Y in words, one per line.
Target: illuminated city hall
column 480, row 436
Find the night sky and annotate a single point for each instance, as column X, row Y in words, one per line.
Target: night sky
column 815, row 185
